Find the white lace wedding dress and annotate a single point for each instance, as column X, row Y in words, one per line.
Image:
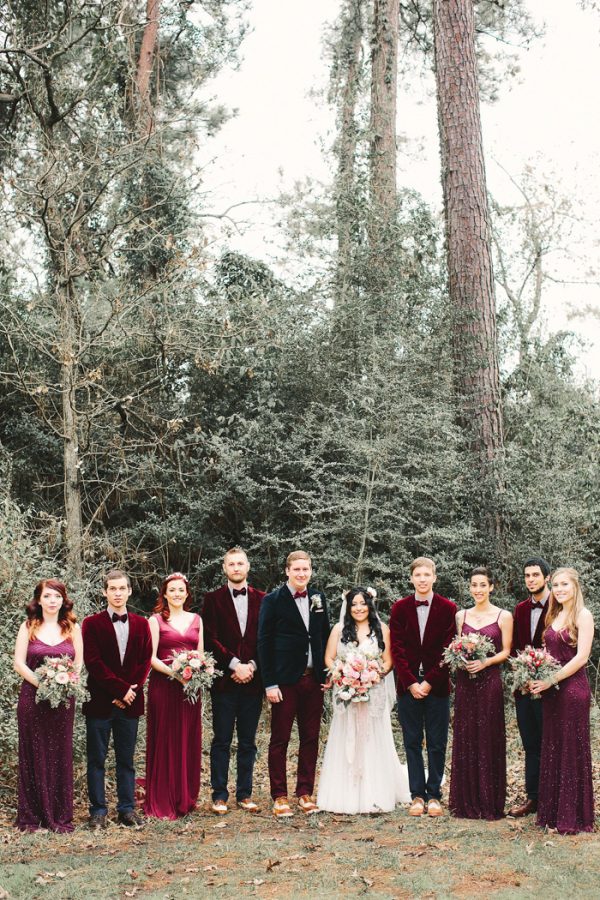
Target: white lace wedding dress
column 361, row 772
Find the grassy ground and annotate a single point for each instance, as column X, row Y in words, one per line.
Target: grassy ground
column 243, row 856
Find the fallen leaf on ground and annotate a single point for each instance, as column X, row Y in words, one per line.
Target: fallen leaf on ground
column 204, row 869
column 271, row 863
column 133, row 874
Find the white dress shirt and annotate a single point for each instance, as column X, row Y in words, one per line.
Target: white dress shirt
column 121, row 629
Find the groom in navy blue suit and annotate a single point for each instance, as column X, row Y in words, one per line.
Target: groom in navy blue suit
column 293, row 629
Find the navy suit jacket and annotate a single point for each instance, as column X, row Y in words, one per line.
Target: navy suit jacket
column 108, row 678
column 222, row 636
column 283, row 640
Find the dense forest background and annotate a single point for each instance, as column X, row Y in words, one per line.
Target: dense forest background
column 161, row 404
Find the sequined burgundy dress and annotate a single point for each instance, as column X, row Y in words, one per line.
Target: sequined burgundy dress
column 45, row 751
column 478, row 783
column 566, row 798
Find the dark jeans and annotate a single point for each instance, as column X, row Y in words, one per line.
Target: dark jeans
column 235, row 708
column 431, row 717
column 529, row 719
column 124, row 732
column 303, row 702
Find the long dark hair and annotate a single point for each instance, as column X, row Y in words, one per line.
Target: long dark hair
column 349, row 635
column 35, row 615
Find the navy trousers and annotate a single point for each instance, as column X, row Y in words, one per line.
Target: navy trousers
column 124, row 732
column 530, row 720
column 429, row 717
column 239, row 710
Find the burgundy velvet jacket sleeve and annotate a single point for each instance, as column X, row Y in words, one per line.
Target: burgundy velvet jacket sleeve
column 215, row 634
column 141, row 667
column 398, row 646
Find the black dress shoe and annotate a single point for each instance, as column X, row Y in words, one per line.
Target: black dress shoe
column 97, row 821
column 524, row 809
column 130, row 819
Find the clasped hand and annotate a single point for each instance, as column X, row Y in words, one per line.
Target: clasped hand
column 475, row 665
column 127, row 699
column 536, row 687
column 420, row 691
column 243, row 673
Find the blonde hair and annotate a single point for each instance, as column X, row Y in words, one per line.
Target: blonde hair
column 233, row 550
column 422, row 561
column 578, row 604
column 297, row 554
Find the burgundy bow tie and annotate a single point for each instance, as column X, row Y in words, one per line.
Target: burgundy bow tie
column 537, row 604
column 421, row 602
column 237, row 591
column 300, row 594
column 117, row 618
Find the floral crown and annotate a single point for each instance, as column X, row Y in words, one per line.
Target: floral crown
column 176, row 575
column 370, row 591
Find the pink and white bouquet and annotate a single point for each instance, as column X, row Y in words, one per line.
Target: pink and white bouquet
column 467, row 648
column 60, row 682
column 532, row 664
column 353, row 673
column 196, row 670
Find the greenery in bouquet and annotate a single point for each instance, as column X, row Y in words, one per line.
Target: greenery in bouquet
column 353, row 673
column 532, row 664
column 195, row 670
column 467, row 648
column 59, row 682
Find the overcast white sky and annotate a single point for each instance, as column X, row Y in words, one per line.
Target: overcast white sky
column 547, row 117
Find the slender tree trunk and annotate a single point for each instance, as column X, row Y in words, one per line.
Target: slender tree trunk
column 468, row 233
column 349, row 60
column 145, row 66
column 384, row 86
column 71, row 458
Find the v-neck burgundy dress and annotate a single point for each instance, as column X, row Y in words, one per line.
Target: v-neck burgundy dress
column 174, row 732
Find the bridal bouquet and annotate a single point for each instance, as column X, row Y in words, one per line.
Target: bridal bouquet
column 60, row 682
column 353, row 673
column 532, row 664
column 195, row 670
column 467, row 648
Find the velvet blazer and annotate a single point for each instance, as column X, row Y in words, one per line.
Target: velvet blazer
column 108, row 678
column 223, row 638
column 283, row 640
column 409, row 654
column 522, row 626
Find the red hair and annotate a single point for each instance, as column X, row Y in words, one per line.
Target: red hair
column 162, row 605
column 35, row 615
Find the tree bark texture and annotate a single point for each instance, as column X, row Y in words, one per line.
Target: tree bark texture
column 468, row 231
column 384, row 86
column 349, row 55
column 145, row 66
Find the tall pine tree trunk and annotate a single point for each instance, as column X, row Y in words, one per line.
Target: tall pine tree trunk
column 384, row 86
column 468, row 238
column 347, row 216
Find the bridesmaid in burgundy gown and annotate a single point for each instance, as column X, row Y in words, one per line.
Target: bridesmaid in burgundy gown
column 566, row 799
column 174, row 731
column 478, row 779
column 45, row 797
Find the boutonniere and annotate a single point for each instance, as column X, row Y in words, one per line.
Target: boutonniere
column 316, row 603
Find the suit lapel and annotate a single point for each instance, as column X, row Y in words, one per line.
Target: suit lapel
column 429, row 624
column 231, row 612
column 112, row 637
column 295, row 612
column 413, row 619
column 540, row 625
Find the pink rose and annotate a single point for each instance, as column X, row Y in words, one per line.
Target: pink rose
column 62, row 678
column 187, row 673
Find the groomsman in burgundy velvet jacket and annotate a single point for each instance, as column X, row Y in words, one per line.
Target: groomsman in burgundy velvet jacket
column 230, row 617
column 421, row 626
column 292, row 634
column 117, row 648
column 528, row 629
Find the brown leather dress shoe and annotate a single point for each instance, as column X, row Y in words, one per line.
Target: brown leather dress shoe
column 417, row 807
column 524, row 809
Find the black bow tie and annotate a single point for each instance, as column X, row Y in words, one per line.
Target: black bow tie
column 237, row 591
column 117, row 618
column 421, row 602
column 537, row 604
column 300, row 594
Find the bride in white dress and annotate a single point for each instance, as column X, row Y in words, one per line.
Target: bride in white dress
column 361, row 771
